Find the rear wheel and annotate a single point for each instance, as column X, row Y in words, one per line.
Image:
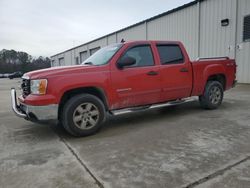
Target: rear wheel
column 212, row 96
column 83, row 115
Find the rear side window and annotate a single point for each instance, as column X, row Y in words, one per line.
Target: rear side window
column 170, row 54
column 142, row 54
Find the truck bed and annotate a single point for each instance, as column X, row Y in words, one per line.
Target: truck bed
column 216, row 65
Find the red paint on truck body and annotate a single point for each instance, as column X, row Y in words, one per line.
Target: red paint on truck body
column 133, row 86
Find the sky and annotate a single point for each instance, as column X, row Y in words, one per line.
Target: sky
column 47, row 27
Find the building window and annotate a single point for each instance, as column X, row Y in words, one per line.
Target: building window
column 170, row 54
column 83, row 56
column 61, row 61
column 94, row 50
column 142, row 54
column 246, row 29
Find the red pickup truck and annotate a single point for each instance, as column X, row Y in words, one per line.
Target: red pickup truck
column 122, row 78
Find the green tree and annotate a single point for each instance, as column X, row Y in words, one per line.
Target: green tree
column 12, row 61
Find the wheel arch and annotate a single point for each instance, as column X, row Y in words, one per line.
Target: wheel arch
column 218, row 77
column 96, row 91
column 215, row 72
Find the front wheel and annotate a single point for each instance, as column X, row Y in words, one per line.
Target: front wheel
column 212, row 96
column 83, row 115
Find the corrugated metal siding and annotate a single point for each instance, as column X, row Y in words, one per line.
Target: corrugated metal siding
column 198, row 26
column 111, row 39
column 243, row 50
column 181, row 25
column 53, row 61
column 68, row 58
column 216, row 40
column 99, row 43
column 77, row 51
column 135, row 33
column 58, row 57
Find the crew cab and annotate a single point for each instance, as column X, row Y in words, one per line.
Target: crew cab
column 122, row 78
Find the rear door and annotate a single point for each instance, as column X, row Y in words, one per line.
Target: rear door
column 175, row 71
column 138, row 84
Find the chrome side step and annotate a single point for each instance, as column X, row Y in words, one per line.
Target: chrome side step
column 135, row 109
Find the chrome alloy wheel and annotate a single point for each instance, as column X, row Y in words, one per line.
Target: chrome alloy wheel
column 215, row 95
column 86, row 116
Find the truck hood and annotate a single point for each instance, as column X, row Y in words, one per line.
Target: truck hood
column 62, row 70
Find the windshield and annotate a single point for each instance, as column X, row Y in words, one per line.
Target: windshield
column 103, row 55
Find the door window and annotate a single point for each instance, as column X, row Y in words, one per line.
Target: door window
column 170, row 54
column 142, row 54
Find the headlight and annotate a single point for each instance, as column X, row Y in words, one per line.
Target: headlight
column 38, row 86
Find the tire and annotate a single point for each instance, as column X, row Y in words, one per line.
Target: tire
column 83, row 115
column 212, row 96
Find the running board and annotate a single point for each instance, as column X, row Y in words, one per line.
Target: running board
column 135, row 109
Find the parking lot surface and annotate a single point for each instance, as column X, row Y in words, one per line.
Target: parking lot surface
column 181, row 146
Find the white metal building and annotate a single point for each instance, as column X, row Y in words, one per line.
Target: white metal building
column 208, row 28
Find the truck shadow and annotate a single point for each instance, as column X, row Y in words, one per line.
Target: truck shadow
column 121, row 124
column 141, row 118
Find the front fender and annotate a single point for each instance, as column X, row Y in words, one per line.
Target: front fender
column 61, row 84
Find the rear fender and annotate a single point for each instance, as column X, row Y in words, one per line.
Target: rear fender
column 210, row 70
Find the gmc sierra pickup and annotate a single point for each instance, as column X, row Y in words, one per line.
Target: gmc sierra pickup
column 122, row 78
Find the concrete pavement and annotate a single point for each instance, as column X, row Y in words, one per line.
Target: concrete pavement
column 182, row 146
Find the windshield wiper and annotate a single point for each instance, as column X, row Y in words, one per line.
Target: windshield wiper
column 88, row 63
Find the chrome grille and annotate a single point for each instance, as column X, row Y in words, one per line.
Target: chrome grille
column 25, row 86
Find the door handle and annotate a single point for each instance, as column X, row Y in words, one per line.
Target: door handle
column 152, row 73
column 184, row 69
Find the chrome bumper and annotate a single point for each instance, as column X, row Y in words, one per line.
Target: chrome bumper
column 33, row 113
column 14, row 105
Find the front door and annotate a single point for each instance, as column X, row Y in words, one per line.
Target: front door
column 243, row 42
column 138, row 84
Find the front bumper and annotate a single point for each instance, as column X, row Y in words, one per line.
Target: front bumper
column 33, row 113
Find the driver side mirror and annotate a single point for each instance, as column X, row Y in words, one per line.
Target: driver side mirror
column 127, row 61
